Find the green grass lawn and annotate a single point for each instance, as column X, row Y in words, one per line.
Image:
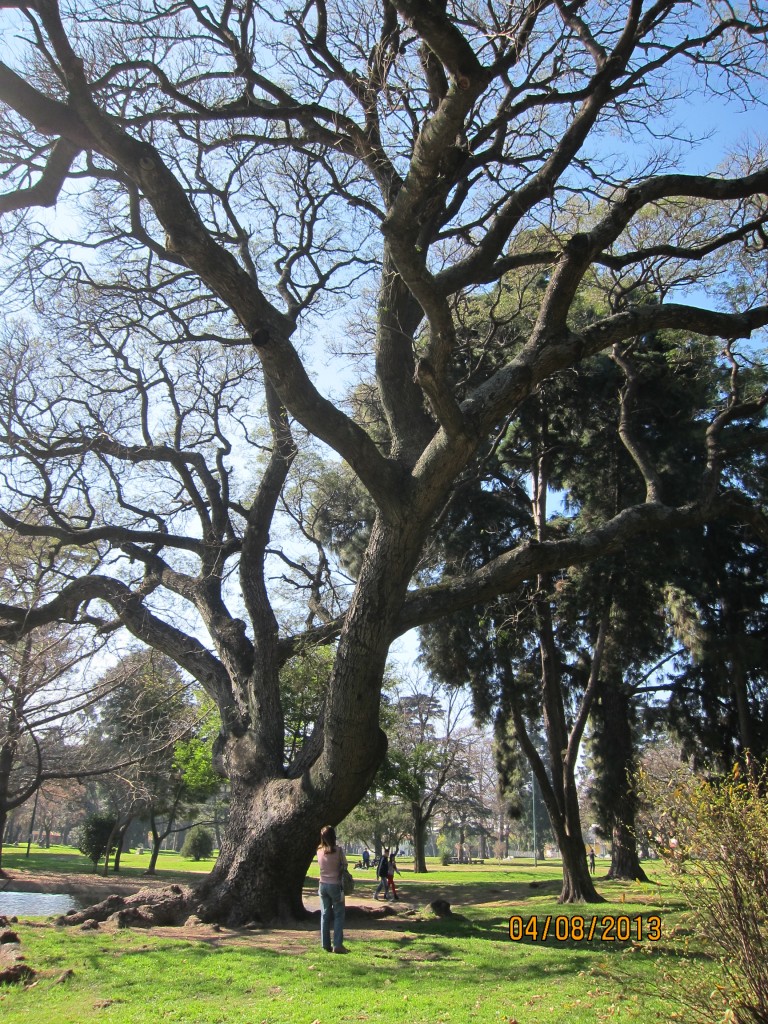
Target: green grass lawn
column 409, row 968
column 67, row 860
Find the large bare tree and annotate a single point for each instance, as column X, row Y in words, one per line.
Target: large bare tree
column 191, row 188
column 47, row 687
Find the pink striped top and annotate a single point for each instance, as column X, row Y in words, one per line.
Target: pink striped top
column 331, row 865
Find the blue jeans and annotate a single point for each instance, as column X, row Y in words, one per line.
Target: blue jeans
column 382, row 886
column 331, row 903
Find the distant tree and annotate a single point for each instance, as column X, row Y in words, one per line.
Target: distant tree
column 96, row 837
column 198, row 844
column 47, row 684
column 148, row 711
column 425, row 756
column 191, row 781
column 304, row 682
column 381, row 819
column 469, row 796
column 522, row 811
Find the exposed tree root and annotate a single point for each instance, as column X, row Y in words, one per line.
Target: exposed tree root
column 627, row 876
column 177, row 905
column 172, row 905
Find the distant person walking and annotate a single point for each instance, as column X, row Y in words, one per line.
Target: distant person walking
column 381, row 873
column 391, row 869
column 366, row 858
column 332, row 862
column 591, row 860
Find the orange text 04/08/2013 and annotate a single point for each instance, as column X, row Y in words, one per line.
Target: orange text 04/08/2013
column 575, row 928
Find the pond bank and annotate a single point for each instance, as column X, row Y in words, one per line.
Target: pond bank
column 86, row 887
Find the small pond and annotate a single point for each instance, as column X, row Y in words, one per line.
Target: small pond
column 37, row 904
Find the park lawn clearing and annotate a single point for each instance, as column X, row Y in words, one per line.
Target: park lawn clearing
column 66, row 860
column 408, row 967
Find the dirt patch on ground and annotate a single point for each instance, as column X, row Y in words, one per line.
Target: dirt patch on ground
column 297, row 939
column 365, row 919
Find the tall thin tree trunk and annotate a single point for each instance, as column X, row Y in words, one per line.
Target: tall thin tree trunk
column 419, row 840
column 156, row 841
column 119, row 848
column 3, row 822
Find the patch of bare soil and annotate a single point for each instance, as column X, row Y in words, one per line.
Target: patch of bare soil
column 365, row 918
column 362, row 924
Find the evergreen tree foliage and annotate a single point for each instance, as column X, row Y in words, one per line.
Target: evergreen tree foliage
column 95, row 833
column 198, row 844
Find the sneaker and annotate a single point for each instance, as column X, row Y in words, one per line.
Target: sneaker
column 328, row 949
column 340, row 949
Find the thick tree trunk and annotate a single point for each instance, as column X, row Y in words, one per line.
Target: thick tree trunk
column 578, row 886
column 419, row 844
column 269, row 844
column 625, row 863
column 276, row 813
column 618, row 797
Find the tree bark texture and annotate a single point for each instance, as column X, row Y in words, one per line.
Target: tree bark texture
column 270, row 841
column 625, row 861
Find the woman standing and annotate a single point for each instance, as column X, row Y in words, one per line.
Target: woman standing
column 332, row 862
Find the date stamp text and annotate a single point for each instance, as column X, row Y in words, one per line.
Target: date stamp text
column 567, row 928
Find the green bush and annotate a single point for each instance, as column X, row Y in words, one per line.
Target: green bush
column 444, row 849
column 198, row 844
column 715, row 834
column 94, row 836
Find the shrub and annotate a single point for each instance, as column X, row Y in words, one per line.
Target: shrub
column 716, row 835
column 94, row 836
column 444, row 849
column 198, row 843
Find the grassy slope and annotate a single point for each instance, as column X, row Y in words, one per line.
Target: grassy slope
column 417, row 969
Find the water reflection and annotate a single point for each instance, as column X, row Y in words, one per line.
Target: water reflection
column 37, row 904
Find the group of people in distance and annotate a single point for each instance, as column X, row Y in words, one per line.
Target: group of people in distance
column 333, row 863
column 385, row 872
